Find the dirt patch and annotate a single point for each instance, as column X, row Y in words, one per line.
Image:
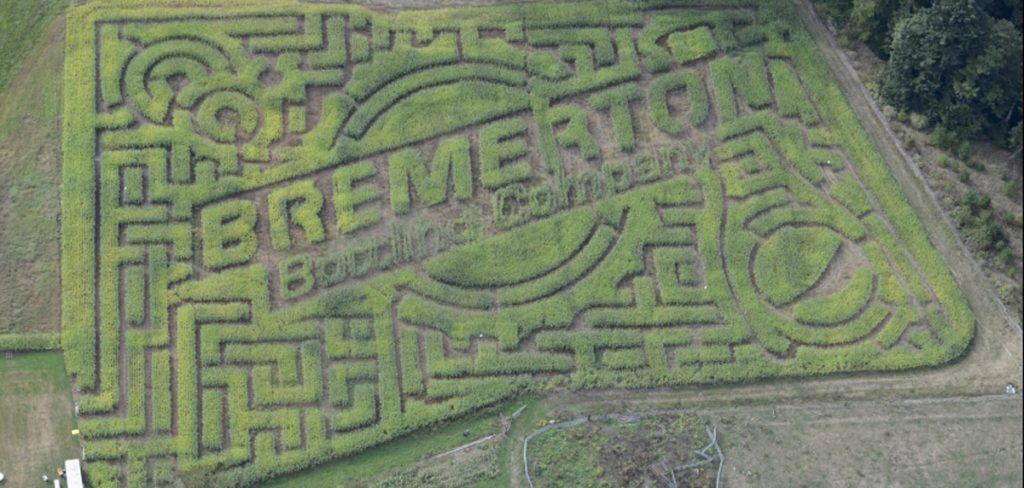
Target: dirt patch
column 954, row 443
column 631, row 451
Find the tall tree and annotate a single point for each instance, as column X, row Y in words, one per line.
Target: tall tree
column 990, row 84
column 873, row 21
column 945, row 61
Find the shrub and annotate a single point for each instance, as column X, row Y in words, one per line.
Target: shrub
column 942, row 138
column 918, row 121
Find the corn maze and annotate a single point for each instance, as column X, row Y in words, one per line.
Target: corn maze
column 295, row 231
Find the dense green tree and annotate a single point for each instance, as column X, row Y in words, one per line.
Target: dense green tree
column 956, row 61
column 1009, row 10
column 990, row 83
column 955, row 64
column 873, row 21
column 837, row 10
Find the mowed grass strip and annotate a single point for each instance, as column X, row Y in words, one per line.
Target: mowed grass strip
column 30, row 169
column 20, row 25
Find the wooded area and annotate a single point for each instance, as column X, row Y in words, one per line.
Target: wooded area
column 956, row 63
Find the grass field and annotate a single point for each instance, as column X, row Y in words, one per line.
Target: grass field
column 334, row 234
column 30, row 167
column 628, row 451
column 946, row 443
column 934, row 442
column 22, row 23
column 36, row 417
column 379, row 466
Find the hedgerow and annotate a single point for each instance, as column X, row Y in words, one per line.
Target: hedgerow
column 546, row 66
column 412, row 377
column 577, row 129
column 229, row 233
column 347, row 197
column 29, row 342
column 588, row 78
column 503, row 261
column 598, row 39
column 703, row 355
column 790, row 95
column 597, row 245
column 656, row 59
column 422, row 115
column 161, row 384
column 213, row 425
column 623, row 359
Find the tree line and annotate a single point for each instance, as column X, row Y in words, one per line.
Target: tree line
column 955, row 62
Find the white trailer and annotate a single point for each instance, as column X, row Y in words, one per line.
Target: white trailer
column 73, row 473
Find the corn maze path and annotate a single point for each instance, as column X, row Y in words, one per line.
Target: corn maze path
column 294, row 232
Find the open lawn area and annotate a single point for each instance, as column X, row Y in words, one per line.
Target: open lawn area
column 36, row 417
column 30, row 165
